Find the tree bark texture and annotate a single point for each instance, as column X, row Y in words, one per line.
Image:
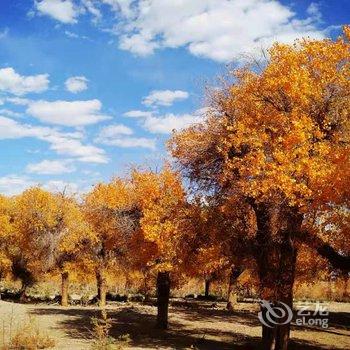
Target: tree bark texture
column 101, row 286
column 163, row 293
column 64, row 288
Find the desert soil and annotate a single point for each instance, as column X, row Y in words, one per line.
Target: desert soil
column 193, row 325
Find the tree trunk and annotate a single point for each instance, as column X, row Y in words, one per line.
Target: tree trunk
column 345, row 292
column 207, row 288
column 101, row 286
column 232, row 299
column 268, row 337
column 144, row 290
column 98, row 284
column 163, row 293
column 64, row 289
column 276, row 259
column 232, row 288
column 276, row 335
column 22, row 294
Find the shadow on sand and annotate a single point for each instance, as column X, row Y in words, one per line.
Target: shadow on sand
column 140, row 325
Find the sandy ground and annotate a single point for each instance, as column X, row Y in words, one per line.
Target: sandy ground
column 193, row 325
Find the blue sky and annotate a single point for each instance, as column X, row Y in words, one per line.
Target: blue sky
column 89, row 87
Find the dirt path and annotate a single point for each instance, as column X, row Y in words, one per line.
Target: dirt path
column 191, row 324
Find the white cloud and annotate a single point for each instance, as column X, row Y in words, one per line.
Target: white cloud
column 314, row 10
column 12, row 82
column 67, row 144
column 138, row 44
column 222, row 30
column 89, row 5
column 13, row 184
column 68, row 113
column 169, row 122
column 61, row 10
column 71, row 34
column 91, row 172
column 130, row 142
column 216, row 29
column 18, row 101
column 165, row 124
column 123, row 6
column 164, row 97
column 120, row 136
column 9, row 113
column 115, row 130
column 4, row 33
column 70, row 188
column 72, row 147
column 76, row 84
column 138, row 114
column 51, row 167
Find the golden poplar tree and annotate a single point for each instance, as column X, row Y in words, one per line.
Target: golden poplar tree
column 162, row 201
column 73, row 238
column 112, row 215
column 6, row 235
column 35, row 224
column 277, row 140
column 50, row 233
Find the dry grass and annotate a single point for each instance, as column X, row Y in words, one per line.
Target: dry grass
column 337, row 290
column 101, row 334
column 26, row 336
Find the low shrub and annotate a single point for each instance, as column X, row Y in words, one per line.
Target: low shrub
column 28, row 336
column 101, row 335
